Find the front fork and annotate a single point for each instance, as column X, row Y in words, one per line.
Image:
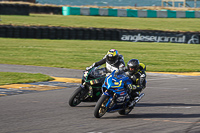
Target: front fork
column 83, row 93
column 89, row 89
column 112, row 99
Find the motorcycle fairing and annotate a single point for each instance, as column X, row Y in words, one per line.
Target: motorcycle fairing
column 114, row 83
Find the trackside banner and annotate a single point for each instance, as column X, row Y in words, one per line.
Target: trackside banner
column 159, row 37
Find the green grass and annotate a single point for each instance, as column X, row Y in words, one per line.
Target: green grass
column 78, row 54
column 13, row 78
column 166, row 24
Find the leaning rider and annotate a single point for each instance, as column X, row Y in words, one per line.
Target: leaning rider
column 137, row 72
column 113, row 61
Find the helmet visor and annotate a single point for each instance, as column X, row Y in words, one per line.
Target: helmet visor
column 111, row 59
column 131, row 69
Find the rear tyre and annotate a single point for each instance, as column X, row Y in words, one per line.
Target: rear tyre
column 100, row 108
column 77, row 96
column 126, row 111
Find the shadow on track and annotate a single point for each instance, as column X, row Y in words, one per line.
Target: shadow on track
column 156, row 115
column 153, row 105
column 164, row 104
column 82, row 106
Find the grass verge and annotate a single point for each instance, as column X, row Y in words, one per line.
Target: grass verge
column 14, row 78
column 165, row 24
column 78, row 54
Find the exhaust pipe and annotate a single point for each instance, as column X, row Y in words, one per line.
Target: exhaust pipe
column 140, row 97
column 136, row 100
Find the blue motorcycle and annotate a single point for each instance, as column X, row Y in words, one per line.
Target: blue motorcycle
column 115, row 97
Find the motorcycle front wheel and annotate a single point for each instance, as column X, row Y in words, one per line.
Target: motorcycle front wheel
column 100, row 108
column 76, row 96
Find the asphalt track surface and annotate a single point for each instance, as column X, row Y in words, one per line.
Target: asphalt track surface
column 171, row 105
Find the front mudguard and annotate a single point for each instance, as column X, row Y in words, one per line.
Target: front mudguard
column 107, row 94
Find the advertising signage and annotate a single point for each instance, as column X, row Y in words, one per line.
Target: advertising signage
column 136, row 36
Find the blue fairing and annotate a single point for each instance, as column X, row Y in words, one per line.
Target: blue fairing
column 116, row 80
column 115, row 84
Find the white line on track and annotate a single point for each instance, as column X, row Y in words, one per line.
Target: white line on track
column 179, row 107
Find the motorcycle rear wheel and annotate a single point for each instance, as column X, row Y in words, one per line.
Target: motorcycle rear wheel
column 100, row 108
column 76, row 96
column 125, row 111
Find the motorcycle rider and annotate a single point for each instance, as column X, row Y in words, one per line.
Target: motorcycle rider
column 113, row 61
column 137, row 72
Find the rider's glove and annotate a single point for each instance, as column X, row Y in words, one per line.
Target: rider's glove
column 90, row 67
column 132, row 87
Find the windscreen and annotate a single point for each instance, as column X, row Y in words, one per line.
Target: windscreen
column 98, row 72
column 120, row 74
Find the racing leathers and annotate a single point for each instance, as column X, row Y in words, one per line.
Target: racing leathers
column 119, row 64
column 139, row 81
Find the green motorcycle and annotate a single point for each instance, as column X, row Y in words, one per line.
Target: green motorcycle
column 90, row 89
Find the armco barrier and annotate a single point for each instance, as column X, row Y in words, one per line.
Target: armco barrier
column 129, row 12
column 14, row 9
column 45, row 9
column 25, row 9
column 45, row 32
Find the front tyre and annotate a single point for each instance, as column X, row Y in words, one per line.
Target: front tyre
column 76, row 96
column 100, row 108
